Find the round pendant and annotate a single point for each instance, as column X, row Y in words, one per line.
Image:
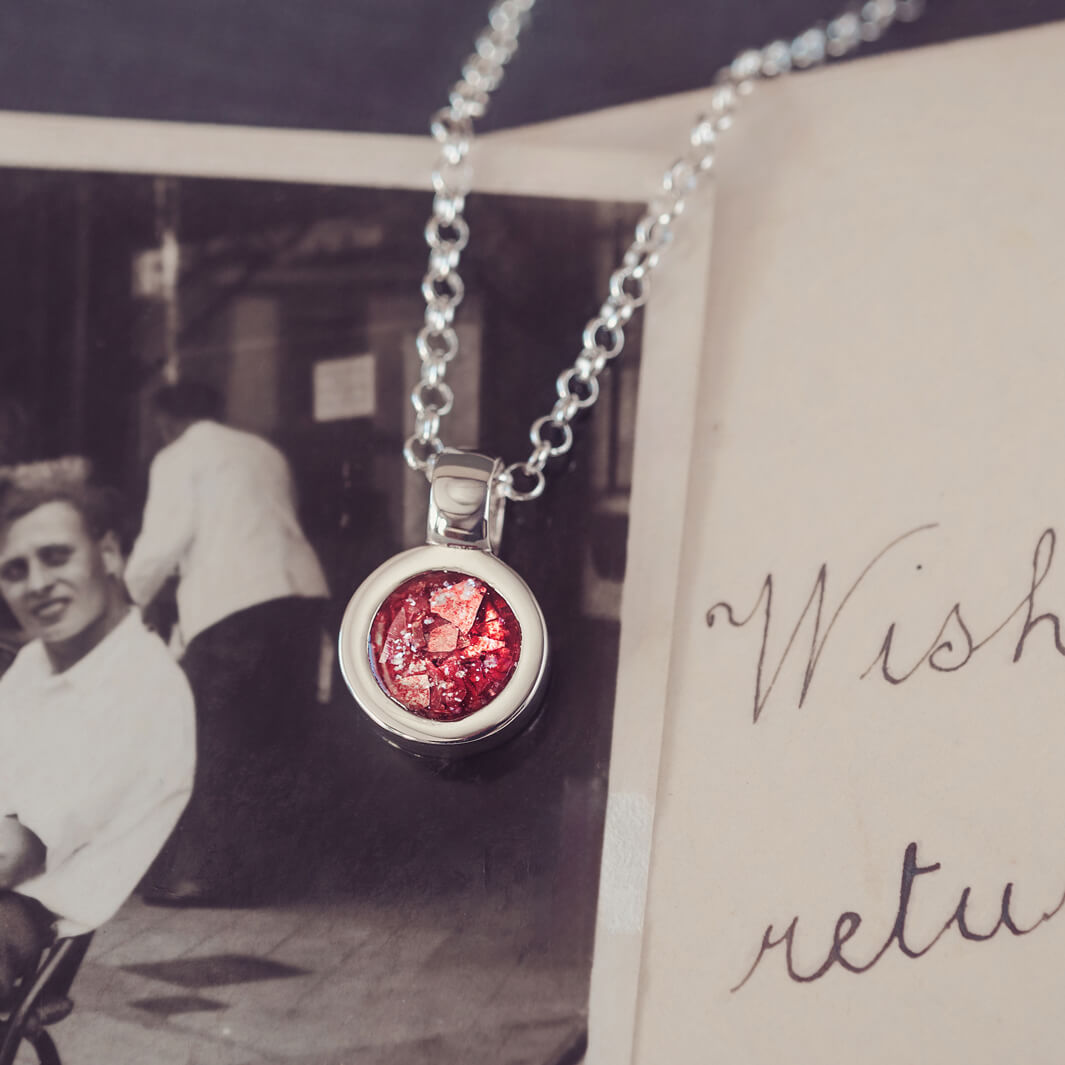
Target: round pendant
column 444, row 646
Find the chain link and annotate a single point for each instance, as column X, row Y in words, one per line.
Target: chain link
column 447, row 232
column 603, row 338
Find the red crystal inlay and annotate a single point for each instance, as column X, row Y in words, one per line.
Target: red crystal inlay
column 444, row 644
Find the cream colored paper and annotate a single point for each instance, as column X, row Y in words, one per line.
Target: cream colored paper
column 881, row 403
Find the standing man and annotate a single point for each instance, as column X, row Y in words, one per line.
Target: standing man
column 97, row 741
column 251, row 597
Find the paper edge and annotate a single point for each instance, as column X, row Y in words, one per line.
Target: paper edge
column 186, row 149
column 665, row 427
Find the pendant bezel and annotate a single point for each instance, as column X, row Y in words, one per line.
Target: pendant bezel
column 510, row 711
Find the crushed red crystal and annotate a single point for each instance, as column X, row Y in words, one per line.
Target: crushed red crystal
column 444, row 644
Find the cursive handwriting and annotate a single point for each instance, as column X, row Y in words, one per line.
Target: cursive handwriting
column 953, row 646
column 848, row 924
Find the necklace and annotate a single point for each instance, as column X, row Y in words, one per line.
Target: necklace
column 444, row 646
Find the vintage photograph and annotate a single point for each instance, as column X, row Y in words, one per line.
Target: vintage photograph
column 204, row 397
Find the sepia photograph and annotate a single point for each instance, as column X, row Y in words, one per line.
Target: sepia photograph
column 204, row 400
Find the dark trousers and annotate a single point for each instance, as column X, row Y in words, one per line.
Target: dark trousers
column 253, row 677
column 25, row 930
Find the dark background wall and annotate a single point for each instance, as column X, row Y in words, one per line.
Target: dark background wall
column 384, row 65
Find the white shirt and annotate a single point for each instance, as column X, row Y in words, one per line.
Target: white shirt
column 98, row 762
column 221, row 514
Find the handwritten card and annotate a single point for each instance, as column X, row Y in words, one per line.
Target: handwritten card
column 859, row 842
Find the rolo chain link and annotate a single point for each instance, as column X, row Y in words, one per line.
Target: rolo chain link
column 603, row 339
column 446, row 232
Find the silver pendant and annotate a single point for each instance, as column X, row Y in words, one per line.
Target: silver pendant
column 444, row 646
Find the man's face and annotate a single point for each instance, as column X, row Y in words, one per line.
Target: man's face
column 54, row 575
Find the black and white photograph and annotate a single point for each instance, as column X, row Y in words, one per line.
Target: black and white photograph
column 205, row 402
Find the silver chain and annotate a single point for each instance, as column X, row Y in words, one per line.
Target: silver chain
column 603, row 339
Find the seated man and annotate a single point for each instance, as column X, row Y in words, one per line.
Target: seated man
column 97, row 735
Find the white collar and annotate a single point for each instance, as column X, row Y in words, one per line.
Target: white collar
column 85, row 672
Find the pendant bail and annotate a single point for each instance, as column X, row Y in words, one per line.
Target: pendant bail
column 465, row 501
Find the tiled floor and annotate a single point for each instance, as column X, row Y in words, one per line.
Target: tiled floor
column 440, row 918
column 330, row 982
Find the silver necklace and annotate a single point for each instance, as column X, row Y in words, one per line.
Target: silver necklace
column 444, row 646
